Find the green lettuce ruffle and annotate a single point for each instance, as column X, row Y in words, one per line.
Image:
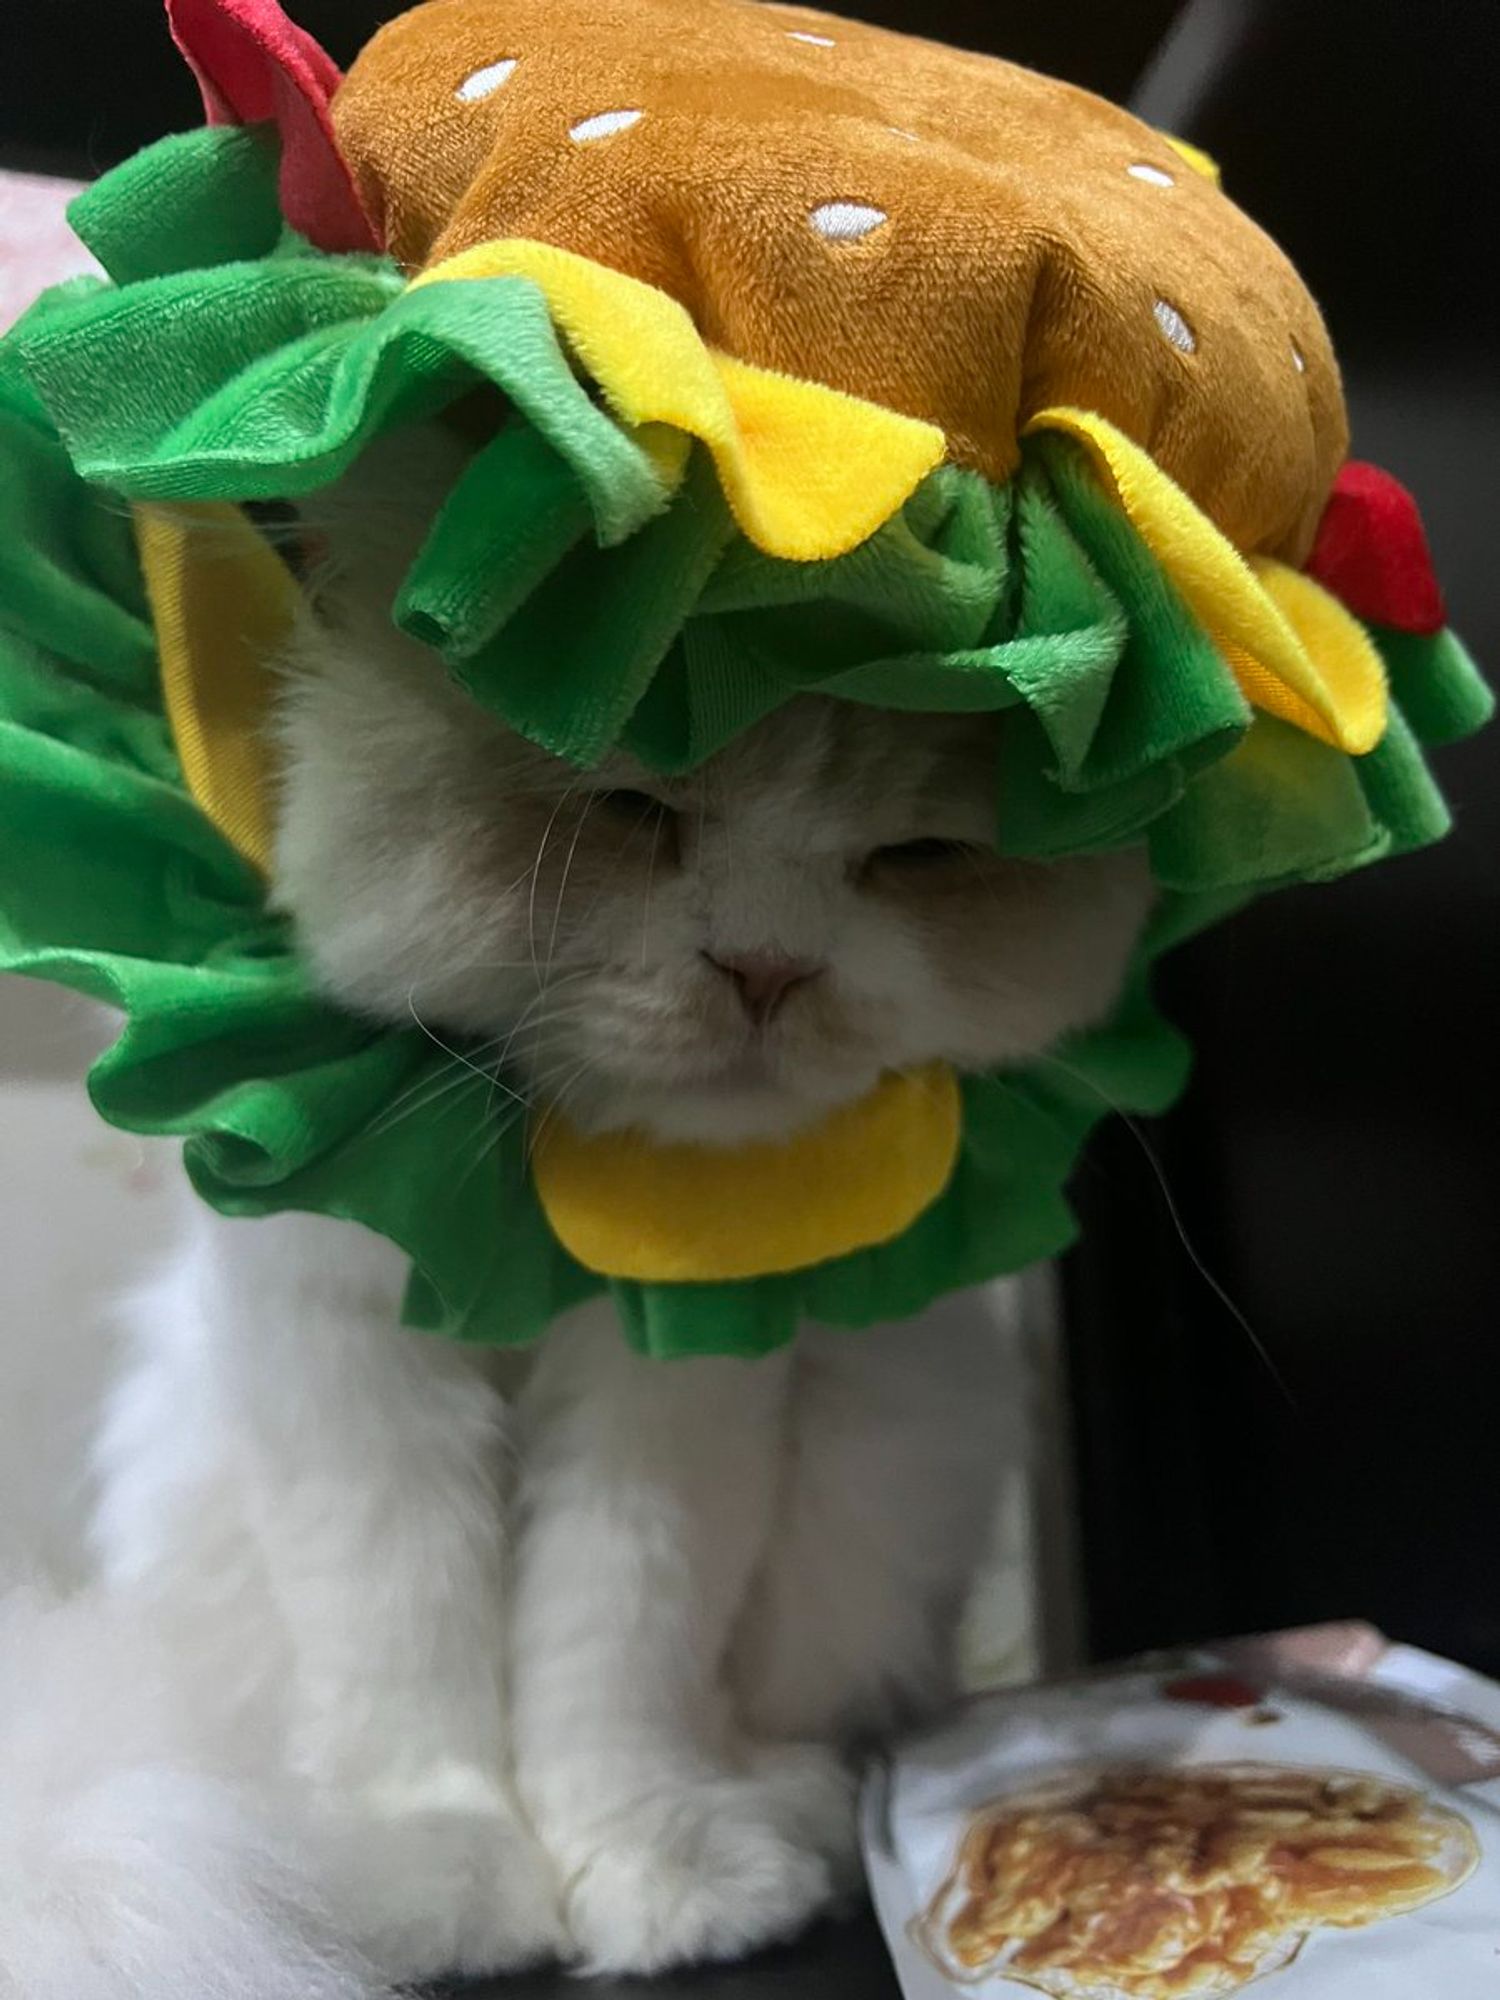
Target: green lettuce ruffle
column 582, row 592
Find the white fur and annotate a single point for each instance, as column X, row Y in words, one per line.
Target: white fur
column 615, row 1732
column 309, row 1497
column 128, row 1868
column 728, row 1569
column 725, row 1571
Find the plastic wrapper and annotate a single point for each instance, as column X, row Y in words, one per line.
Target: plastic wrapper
column 1317, row 1812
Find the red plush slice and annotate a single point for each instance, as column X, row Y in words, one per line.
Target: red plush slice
column 1371, row 552
column 1213, row 1691
column 252, row 63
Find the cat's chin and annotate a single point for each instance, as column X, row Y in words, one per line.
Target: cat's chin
column 734, row 1108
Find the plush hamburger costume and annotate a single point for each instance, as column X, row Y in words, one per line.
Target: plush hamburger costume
column 799, row 356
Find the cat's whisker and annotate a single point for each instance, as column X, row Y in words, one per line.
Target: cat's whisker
column 534, row 1019
column 606, row 881
column 570, row 1090
column 646, row 897
column 562, row 887
column 529, row 1033
column 561, row 1080
column 726, row 823
column 491, row 1140
column 539, row 999
column 1174, row 1215
column 534, row 1137
column 543, row 1045
column 545, row 1027
column 488, row 1132
column 449, row 1095
column 491, row 964
column 429, row 1089
column 920, row 1074
column 545, row 1085
column 427, row 1086
column 457, row 1054
column 527, row 874
column 536, row 876
column 557, row 1104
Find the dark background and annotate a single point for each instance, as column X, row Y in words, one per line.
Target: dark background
column 1335, row 1163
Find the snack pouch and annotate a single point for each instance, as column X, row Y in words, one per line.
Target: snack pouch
column 1317, row 1812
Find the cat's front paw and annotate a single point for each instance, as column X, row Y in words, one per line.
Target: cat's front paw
column 433, row 1886
column 713, row 1868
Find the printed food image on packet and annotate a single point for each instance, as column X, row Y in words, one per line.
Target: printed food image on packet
column 1151, row 1883
column 1311, row 1814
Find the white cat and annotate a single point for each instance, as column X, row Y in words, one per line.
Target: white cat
column 561, row 1653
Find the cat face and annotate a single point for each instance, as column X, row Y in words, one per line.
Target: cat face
column 716, row 957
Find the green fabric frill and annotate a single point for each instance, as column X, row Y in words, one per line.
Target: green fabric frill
column 572, row 590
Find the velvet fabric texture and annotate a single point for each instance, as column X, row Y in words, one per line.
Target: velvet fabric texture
column 606, row 573
column 1018, row 261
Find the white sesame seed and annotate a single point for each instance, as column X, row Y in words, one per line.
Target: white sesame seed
column 485, row 82
column 846, row 221
column 1174, row 326
column 603, row 125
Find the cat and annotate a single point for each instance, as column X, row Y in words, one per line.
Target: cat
column 568, row 1648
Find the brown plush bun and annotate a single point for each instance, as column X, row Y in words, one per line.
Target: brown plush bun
column 1020, row 262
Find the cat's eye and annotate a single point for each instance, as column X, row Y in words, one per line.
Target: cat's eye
column 641, row 817
column 634, row 809
column 921, row 853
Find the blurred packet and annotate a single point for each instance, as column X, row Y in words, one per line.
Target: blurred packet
column 1322, row 1806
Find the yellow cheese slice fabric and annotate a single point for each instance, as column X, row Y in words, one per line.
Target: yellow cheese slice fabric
column 627, row 1206
column 1295, row 653
column 223, row 603
column 810, row 472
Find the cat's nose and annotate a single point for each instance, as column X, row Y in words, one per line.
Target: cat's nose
column 762, row 980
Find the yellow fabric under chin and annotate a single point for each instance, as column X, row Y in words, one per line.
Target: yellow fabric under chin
column 630, row 1207
column 1295, row 651
column 809, row 471
column 223, row 603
